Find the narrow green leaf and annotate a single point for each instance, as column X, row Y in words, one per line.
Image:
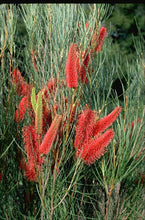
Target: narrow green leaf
column 38, row 115
column 33, row 99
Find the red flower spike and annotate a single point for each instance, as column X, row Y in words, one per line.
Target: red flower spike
column 100, row 40
column 50, row 135
column 71, row 67
column 51, row 84
column 23, row 106
column 132, row 123
column 16, row 117
column 22, row 88
column 90, row 143
column 31, row 172
column 84, row 67
column 0, row 176
column 16, row 77
column 84, row 129
column 30, row 138
column 107, row 121
column 96, row 147
column 26, row 89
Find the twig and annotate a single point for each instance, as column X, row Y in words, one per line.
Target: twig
column 125, row 109
column 109, row 196
column 53, row 186
column 131, row 154
column 69, row 185
column 49, row 16
column 104, row 177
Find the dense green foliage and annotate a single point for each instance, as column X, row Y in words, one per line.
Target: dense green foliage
column 126, row 26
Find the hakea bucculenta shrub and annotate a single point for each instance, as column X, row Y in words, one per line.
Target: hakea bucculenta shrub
column 47, row 126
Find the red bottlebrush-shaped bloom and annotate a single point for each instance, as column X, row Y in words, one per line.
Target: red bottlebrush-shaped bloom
column 30, row 138
column 96, row 147
column 23, row 106
column 107, row 121
column 51, row 84
column 90, row 143
column 132, row 123
column 100, row 39
column 26, row 89
column 50, row 135
column 84, row 67
column 0, row 176
column 49, row 91
column 17, row 78
column 84, row 129
column 71, row 67
column 47, row 118
column 132, row 126
column 22, row 88
column 31, row 172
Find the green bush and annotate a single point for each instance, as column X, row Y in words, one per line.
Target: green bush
column 36, row 39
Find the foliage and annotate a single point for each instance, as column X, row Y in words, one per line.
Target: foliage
column 34, row 97
column 127, row 25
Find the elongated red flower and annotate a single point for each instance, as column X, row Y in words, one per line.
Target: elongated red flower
column 84, row 67
column 17, row 77
column 71, row 67
column 100, row 39
column 96, row 147
column 90, row 143
column 132, row 125
column 22, row 87
column 107, row 121
column 50, row 135
column 84, row 129
column 31, row 172
column 30, row 138
column 23, row 106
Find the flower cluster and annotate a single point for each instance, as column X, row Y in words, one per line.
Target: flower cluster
column 90, row 143
column 47, row 126
column 78, row 63
column 35, row 144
